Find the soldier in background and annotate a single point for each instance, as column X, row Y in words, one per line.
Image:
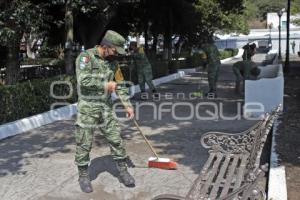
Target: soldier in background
column 244, row 70
column 143, row 66
column 293, row 46
column 249, row 51
column 95, row 71
column 213, row 66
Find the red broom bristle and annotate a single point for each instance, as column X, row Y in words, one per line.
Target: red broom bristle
column 162, row 165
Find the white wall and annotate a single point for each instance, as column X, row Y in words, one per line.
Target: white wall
column 268, row 90
column 274, row 19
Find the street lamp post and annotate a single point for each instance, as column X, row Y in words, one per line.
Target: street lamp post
column 287, row 54
column 279, row 13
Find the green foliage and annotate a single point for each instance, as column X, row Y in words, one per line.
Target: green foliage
column 31, row 97
column 196, row 60
column 295, row 9
column 217, row 16
column 225, row 54
column 233, row 51
column 263, row 7
column 192, row 21
column 18, row 17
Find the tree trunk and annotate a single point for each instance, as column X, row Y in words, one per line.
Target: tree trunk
column 154, row 45
column 146, row 36
column 168, row 37
column 178, row 46
column 69, row 59
column 30, row 42
column 91, row 30
column 13, row 64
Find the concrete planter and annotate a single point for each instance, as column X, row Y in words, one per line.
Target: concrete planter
column 267, row 91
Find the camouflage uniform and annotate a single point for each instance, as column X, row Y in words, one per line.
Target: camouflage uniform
column 95, row 106
column 213, row 65
column 244, row 70
column 144, row 69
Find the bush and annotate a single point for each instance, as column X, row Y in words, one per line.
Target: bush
column 196, row 60
column 32, row 97
column 227, row 53
column 159, row 68
column 173, row 66
column 233, row 51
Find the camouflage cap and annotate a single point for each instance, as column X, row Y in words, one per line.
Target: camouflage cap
column 114, row 39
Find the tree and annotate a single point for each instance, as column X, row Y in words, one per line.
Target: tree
column 217, row 16
column 85, row 21
column 18, row 17
column 295, row 9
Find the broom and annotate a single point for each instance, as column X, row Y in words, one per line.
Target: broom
column 154, row 162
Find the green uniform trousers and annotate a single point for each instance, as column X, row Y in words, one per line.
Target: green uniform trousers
column 212, row 75
column 108, row 125
column 145, row 78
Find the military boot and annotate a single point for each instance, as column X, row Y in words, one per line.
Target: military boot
column 124, row 175
column 84, row 179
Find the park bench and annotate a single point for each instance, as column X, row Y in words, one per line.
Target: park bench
column 233, row 170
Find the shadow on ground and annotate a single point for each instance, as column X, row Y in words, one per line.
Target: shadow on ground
column 16, row 151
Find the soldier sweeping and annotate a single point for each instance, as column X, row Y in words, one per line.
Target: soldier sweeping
column 95, row 69
column 213, row 66
column 244, row 70
column 143, row 66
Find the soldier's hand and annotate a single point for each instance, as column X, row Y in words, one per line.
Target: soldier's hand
column 111, row 86
column 130, row 112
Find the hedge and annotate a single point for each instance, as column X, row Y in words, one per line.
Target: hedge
column 196, row 60
column 32, row 97
column 227, row 53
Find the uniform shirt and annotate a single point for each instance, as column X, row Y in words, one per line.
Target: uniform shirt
column 142, row 63
column 212, row 53
column 93, row 72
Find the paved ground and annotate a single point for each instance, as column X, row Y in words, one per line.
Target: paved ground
column 288, row 137
column 39, row 164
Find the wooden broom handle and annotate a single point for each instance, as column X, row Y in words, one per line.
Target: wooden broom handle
column 140, row 130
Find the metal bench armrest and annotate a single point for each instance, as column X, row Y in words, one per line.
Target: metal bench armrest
column 230, row 142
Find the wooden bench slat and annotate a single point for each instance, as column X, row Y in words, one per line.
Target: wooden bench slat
column 202, row 177
column 241, row 172
column 207, row 165
column 217, row 183
column 212, row 173
column 230, row 175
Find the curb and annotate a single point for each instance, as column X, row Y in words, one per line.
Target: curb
column 29, row 123
column 63, row 113
column 239, row 55
column 277, row 189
